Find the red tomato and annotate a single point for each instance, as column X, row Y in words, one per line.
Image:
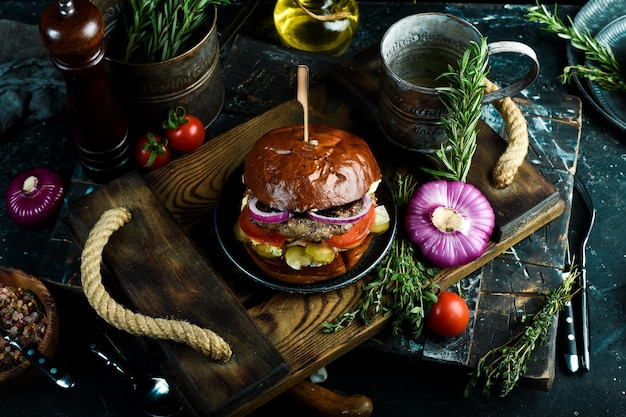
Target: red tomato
column 258, row 233
column 449, row 316
column 359, row 231
column 184, row 132
column 152, row 151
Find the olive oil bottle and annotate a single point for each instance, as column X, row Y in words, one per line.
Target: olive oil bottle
column 322, row 26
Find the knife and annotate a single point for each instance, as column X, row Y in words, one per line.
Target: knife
column 570, row 350
column 584, row 285
column 46, row 365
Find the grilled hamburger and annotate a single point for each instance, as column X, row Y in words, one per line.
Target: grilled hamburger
column 310, row 207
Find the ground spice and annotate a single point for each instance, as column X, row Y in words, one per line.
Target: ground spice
column 22, row 315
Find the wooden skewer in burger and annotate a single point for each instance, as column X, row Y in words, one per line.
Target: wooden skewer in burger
column 309, row 211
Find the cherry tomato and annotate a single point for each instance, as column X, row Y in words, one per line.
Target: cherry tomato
column 355, row 236
column 449, row 316
column 152, row 151
column 184, row 132
column 257, row 232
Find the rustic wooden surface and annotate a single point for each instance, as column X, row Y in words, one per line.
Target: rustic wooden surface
column 293, row 322
column 162, row 274
column 512, row 285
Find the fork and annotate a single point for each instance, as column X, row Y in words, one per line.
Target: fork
column 584, row 305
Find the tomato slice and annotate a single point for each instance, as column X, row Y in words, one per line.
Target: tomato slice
column 355, row 236
column 258, row 233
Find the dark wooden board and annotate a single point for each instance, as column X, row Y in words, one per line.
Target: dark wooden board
column 190, row 185
column 515, row 282
column 189, row 188
column 164, row 275
column 507, row 294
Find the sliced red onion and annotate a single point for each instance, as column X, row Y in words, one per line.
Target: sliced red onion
column 35, row 196
column 367, row 204
column 450, row 221
column 266, row 216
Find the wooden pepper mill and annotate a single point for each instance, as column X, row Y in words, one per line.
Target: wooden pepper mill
column 73, row 32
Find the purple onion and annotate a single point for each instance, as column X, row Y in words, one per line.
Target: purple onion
column 266, row 216
column 35, row 196
column 450, row 222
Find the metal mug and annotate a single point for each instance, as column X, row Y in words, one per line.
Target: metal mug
column 414, row 52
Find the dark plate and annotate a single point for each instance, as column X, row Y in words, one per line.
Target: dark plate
column 614, row 102
column 594, row 16
column 227, row 211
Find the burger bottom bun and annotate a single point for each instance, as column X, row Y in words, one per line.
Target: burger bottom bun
column 277, row 267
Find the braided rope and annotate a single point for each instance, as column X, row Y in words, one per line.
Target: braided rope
column 507, row 165
column 203, row 340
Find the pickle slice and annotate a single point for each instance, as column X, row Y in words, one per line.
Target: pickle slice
column 322, row 253
column 296, row 257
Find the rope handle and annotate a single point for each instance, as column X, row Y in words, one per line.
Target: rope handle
column 202, row 340
column 517, row 147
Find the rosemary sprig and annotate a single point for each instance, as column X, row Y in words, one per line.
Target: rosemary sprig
column 607, row 74
column 502, row 367
column 158, row 30
column 403, row 287
column 463, row 102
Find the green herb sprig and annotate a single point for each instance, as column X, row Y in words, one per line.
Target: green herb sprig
column 158, row 30
column 463, row 102
column 607, row 74
column 501, row 368
column 403, row 287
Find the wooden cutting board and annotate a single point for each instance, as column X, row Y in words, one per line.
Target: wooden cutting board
column 178, row 202
column 161, row 273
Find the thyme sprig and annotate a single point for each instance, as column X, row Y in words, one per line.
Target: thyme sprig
column 158, row 30
column 606, row 74
column 462, row 99
column 403, row 287
column 501, row 368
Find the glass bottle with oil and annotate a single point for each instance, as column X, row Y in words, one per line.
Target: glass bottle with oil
column 323, row 26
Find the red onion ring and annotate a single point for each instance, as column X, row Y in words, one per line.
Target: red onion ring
column 266, row 216
column 367, row 203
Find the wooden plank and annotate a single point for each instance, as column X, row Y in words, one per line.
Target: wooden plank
column 533, row 265
column 498, row 318
column 163, row 275
column 528, row 269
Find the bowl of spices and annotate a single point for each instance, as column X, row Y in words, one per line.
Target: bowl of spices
column 28, row 312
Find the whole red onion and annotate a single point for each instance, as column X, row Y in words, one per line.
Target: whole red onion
column 450, row 221
column 35, row 196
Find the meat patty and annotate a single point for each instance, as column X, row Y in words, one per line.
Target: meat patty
column 301, row 226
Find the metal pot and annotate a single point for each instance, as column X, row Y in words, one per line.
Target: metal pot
column 192, row 80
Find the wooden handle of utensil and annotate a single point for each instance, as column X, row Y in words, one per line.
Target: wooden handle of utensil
column 330, row 404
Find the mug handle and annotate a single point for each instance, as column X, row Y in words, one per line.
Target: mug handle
column 517, row 86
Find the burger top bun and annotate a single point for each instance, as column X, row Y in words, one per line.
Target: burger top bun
column 333, row 168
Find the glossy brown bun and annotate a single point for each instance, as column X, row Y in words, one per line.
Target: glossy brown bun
column 333, row 168
column 343, row 262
